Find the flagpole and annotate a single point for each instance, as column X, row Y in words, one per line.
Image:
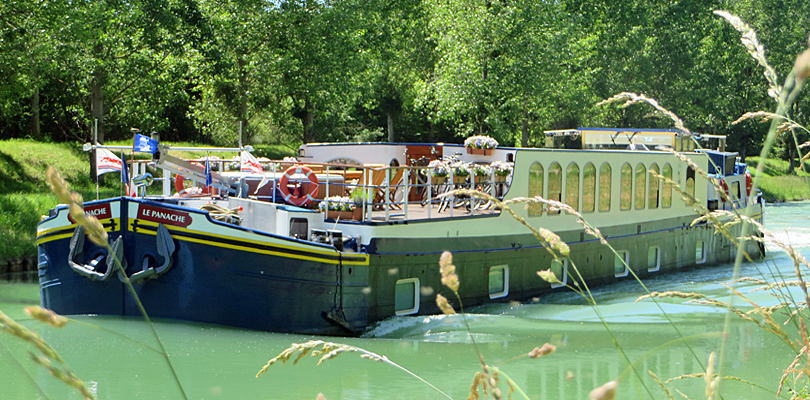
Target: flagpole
column 123, row 165
column 132, row 161
column 95, row 154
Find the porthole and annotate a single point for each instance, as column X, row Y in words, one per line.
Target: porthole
column 498, row 281
column 621, row 263
column 406, row 299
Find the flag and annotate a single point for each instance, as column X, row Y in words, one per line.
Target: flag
column 250, row 163
column 106, row 161
column 208, row 178
column 144, row 144
column 129, row 188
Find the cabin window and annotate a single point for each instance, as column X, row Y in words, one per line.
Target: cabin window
column 735, row 190
column 407, row 296
column 641, row 186
column 700, row 252
column 588, row 188
column 621, row 263
column 554, row 184
column 627, row 187
column 299, row 228
column 653, row 259
column 666, row 196
column 498, row 281
column 690, row 181
column 572, row 186
column 535, row 188
column 604, row 187
column 652, row 201
column 560, row 269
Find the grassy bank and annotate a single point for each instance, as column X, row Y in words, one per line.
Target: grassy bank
column 777, row 184
column 25, row 196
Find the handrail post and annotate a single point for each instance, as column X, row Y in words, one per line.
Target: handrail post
column 429, row 194
column 406, row 194
column 387, row 195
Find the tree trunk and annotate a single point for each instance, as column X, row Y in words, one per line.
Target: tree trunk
column 97, row 108
column 35, row 132
column 524, row 137
column 243, row 100
column 390, row 128
column 431, row 132
column 308, row 122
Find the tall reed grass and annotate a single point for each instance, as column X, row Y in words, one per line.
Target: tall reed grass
column 486, row 380
column 492, row 381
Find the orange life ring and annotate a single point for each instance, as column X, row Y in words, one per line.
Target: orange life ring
column 180, row 187
column 301, row 199
column 724, row 185
column 749, row 184
column 178, row 183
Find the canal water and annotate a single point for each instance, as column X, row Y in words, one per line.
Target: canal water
column 117, row 358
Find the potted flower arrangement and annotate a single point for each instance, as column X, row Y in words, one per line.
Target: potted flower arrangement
column 480, row 144
column 438, row 171
column 460, row 172
column 337, row 207
column 501, row 170
column 481, row 172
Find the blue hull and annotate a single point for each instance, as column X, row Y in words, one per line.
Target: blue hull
column 212, row 279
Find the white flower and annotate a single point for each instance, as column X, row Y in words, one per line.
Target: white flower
column 336, row 203
column 439, row 168
column 481, row 142
column 501, row 168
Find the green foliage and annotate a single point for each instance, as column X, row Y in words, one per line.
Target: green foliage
column 293, row 71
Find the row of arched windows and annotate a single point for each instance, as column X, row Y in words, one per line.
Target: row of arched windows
column 639, row 189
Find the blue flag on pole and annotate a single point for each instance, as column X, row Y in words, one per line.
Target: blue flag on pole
column 124, row 171
column 208, row 178
column 144, row 144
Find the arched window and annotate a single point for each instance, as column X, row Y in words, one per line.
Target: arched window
column 588, row 188
column 554, row 183
column 690, row 181
column 641, row 186
column 604, row 187
column 627, row 187
column 572, row 186
column 652, row 201
column 666, row 196
column 535, row 188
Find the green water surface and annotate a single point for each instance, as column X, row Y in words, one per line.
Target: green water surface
column 117, row 357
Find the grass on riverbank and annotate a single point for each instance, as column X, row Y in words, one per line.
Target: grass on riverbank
column 778, row 185
column 25, row 196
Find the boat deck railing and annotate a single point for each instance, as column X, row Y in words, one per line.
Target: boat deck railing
column 383, row 193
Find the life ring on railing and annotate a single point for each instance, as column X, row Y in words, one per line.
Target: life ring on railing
column 749, row 184
column 724, row 185
column 179, row 186
column 299, row 200
column 178, row 183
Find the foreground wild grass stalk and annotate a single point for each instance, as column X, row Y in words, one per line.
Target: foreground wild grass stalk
column 48, row 358
column 98, row 235
column 329, row 350
column 487, row 379
column 780, row 122
column 786, row 95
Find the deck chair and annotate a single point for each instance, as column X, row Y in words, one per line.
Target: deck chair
column 396, row 182
column 379, row 185
column 374, row 180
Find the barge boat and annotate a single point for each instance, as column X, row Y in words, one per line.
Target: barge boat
column 279, row 250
